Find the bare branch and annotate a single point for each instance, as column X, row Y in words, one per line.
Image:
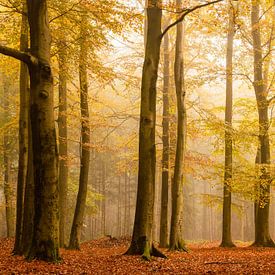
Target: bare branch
column 22, row 56
column 185, row 13
column 270, row 100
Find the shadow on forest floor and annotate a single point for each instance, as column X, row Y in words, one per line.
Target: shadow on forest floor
column 105, row 256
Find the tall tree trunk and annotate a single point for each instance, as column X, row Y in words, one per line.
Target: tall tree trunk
column 28, row 213
column 119, row 207
column 85, row 139
column 176, row 234
column 45, row 241
column 166, row 146
column 226, row 221
column 63, row 151
column 8, row 186
column 142, row 233
column 103, row 184
column 23, row 136
column 262, row 235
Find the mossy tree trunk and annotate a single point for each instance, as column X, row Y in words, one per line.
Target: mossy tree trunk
column 23, row 136
column 45, row 241
column 63, row 147
column 166, row 146
column 8, row 185
column 45, row 230
column 85, row 139
column 226, row 225
column 141, row 243
column 262, row 235
column 176, row 233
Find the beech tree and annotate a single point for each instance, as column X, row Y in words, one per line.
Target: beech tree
column 228, row 139
column 142, row 233
column 262, row 235
column 23, row 134
column 176, row 234
column 85, row 138
column 166, row 145
column 45, row 239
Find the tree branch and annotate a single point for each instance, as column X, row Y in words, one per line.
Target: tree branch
column 269, row 101
column 22, row 56
column 186, row 12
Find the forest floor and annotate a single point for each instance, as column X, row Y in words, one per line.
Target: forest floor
column 105, row 256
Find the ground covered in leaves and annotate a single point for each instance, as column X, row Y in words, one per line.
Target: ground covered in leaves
column 105, row 256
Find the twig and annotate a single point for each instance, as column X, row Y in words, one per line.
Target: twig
column 185, row 13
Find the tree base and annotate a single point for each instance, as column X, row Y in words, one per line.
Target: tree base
column 144, row 248
column 266, row 243
column 228, row 244
column 178, row 246
column 44, row 257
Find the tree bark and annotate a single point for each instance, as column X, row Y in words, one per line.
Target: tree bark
column 45, row 241
column 8, row 186
column 63, row 150
column 262, row 235
column 166, row 146
column 28, row 213
column 141, row 243
column 23, row 136
column 176, row 234
column 226, row 221
column 85, row 139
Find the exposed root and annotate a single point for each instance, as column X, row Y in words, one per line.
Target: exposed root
column 227, row 244
column 178, row 246
column 144, row 248
column 266, row 243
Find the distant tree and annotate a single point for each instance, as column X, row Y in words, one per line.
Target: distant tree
column 226, row 228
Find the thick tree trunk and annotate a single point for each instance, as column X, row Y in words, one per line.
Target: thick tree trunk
column 85, row 140
column 45, row 241
column 8, row 186
column 226, row 225
column 176, row 234
column 262, row 235
column 23, row 136
column 166, row 146
column 142, row 234
column 63, row 151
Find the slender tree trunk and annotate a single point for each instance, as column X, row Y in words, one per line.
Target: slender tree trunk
column 262, row 235
column 45, row 242
column 119, row 208
column 85, row 139
column 166, row 146
column 226, row 226
column 103, row 184
column 176, row 234
column 63, row 151
column 28, row 213
column 125, row 202
column 23, row 136
column 8, row 186
column 142, row 234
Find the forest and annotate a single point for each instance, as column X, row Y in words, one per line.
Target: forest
column 137, row 137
